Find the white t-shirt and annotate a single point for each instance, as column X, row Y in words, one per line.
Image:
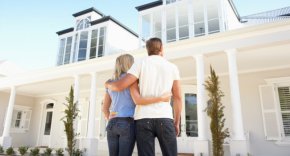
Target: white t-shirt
column 156, row 76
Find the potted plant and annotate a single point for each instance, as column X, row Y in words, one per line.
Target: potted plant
column 47, row 152
column 1, row 150
column 59, row 152
column 22, row 150
column 10, row 151
column 34, row 151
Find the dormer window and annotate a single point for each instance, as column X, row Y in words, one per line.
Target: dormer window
column 83, row 24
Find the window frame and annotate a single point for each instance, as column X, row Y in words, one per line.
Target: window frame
column 276, row 83
column 25, row 110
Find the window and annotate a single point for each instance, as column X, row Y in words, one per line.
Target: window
column 83, row 46
column 84, row 23
column 170, row 26
column 61, row 51
column 98, row 42
column 284, row 100
column 20, row 119
column 275, row 104
column 48, row 120
column 198, row 18
column 183, row 22
column 191, row 115
column 67, row 50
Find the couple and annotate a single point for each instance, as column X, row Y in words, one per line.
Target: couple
column 148, row 84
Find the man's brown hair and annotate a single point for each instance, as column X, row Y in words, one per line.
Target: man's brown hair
column 154, row 46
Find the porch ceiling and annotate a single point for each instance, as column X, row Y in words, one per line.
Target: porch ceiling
column 58, row 86
column 250, row 59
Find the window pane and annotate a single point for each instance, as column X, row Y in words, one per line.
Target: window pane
column 157, row 27
column 286, row 123
column 100, row 51
column 102, row 31
column 101, row 40
column 82, row 54
column 191, row 115
column 284, row 98
column 48, row 123
column 213, row 26
column 171, row 35
column 94, row 33
column 49, row 106
column 199, row 29
column 75, row 48
column 68, row 50
column 61, row 52
column 146, row 26
column 93, row 52
column 83, row 46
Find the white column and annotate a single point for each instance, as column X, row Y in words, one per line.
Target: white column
column 6, row 139
column 238, row 128
column 201, row 145
column 201, row 104
column 9, row 113
column 140, row 30
column 92, row 108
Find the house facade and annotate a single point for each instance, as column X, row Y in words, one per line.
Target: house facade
column 252, row 61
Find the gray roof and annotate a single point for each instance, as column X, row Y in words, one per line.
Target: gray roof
column 273, row 15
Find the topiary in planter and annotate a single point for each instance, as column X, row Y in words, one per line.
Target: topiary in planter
column 10, row 151
column 47, row 152
column 59, row 152
column 34, row 151
column 1, row 150
column 22, row 150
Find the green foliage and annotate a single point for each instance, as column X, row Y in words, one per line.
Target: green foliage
column 47, row 152
column 215, row 110
column 22, row 150
column 10, row 151
column 71, row 112
column 1, row 150
column 34, row 151
column 77, row 152
column 59, row 152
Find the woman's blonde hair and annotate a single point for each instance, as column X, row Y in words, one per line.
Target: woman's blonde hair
column 123, row 64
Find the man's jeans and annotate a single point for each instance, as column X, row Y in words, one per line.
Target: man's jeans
column 163, row 129
column 121, row 136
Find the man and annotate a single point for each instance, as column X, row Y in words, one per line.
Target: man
column 156, row 76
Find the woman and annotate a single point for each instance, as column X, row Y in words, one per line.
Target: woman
column 121, row 128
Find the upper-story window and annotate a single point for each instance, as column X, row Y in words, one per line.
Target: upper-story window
column 84, row 23
column 64, row 53
column 97, row 42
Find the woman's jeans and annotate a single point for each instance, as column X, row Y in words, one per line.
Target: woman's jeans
column 121, row 136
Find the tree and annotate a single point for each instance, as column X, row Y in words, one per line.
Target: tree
column 71, row 112
column 215, row 110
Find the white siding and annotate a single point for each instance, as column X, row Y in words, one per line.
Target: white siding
column 119, row 40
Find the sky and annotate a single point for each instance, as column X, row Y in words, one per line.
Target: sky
column 28, row 27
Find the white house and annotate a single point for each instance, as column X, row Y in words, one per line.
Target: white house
column 250, row 55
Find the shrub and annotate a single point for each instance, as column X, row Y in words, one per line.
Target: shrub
column 1, row 150
column 77, row 152
column 22, row 150
column 10, row 151
column 71, row 112
column 215, row 111
column 59, row 152
column 34, row 151
column 47, row 152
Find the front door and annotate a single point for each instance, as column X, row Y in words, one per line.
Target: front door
column 45, row 132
